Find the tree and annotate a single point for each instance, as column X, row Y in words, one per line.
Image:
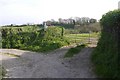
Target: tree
column 93, row 20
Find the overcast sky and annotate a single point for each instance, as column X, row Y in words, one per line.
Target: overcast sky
column 36, row 11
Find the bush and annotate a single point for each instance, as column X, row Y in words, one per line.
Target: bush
column 41, row 40
column 106, row 55
column 2, row 72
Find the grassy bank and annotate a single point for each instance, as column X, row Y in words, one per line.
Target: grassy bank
column 2, row 72
column 106, row 56
column 73, row 51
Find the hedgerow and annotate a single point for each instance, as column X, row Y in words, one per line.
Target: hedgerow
column 106, row 56
column 41, row 40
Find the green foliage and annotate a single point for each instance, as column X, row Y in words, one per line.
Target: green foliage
column 72, row 31
column 111, row 19
column 72, row 51
column 106, row 56
column 93, row 27
column 2, row 72
column 54, row 32
column 66, row 26
column 38, row 40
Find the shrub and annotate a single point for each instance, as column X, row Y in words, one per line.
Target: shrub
column 72, row 51
column 106, row 55
column 41, row 40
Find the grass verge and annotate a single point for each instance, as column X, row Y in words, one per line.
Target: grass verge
column 12, row 55
column 2, row 72
column 72, row 51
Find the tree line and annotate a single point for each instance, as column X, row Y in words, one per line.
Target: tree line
column 67, row 23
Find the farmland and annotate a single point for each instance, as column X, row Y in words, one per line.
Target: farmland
column 52, row 43
column 60, row 39
column 36, row 39
column 82, row 38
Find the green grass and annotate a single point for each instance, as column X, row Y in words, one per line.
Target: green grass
column 2, row 72
column 81, row 38
column 12, row 55
column 83, row 35
column 73, row 51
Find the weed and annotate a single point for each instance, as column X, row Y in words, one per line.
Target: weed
column 2, row 72
column 73, row 51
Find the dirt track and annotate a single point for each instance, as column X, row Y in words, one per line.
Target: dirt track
column 52, row 65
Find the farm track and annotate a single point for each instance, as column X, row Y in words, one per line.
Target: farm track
column 52, row 65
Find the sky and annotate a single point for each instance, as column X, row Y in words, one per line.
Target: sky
column 37, row 11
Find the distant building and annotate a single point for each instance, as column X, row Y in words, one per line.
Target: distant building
column 119, row 5
column 66, row 21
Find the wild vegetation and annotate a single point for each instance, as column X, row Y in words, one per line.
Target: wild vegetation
column 106, row 55
column 35, row 40
column 2, row 72
column 73, row 51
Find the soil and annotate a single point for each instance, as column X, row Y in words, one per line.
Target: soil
column 51, row 65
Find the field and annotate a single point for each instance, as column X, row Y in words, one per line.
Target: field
column 82, row 38
column 36, row 39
